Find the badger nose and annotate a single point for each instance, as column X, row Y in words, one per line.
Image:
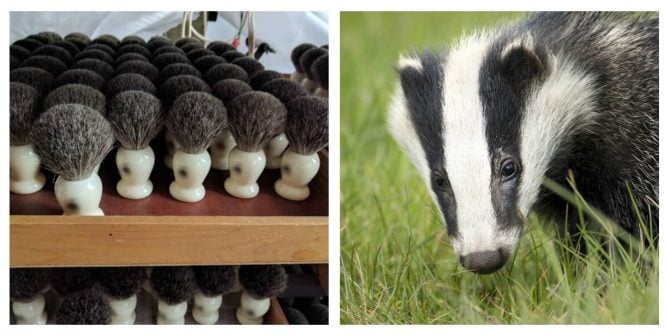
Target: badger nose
column 484, row 262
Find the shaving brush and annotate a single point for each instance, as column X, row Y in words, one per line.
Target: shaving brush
column 165, row 59
column 72, row 48
column 26, row 290
column 28, row 43
column 307, row 59
column 97, row 54
column 24, row 164
column 194, row 120
column 157, row 42
column 83, row 307
column 132, row 39
column 80, row 76
column 101, row 47
column 225, row 90
column 68, row 280
column 51, row 64
column 295, row 55
column 100, row 67
column 212, row 283
column 71, row 140
column 320, row 71
column 177, row 69
column 133, row 48
column 231, row 55
column 262, row 77
column 130, row 82
column 107, row 39
column 136, row 118
column 19, row 52
column 198, row 53
column 174, row 287
column 14, row 63
column 77, row 94
column 249, row 65
column 225, row 71
column 260, row 282
column 131, row 57
column 219, row 47
column 204, row 63
column 255, row 118
column 167, row 49
column 120, row 286
column 55, row 51
column 174, row 87
column 145, row 69
column 187, row 40
column 307, row 131
column 39, row 79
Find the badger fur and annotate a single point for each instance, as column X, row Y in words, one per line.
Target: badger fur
column 486, row 121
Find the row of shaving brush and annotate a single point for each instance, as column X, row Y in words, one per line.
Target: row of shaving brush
column 108, row 295
column 311, row 68
column 128, row 90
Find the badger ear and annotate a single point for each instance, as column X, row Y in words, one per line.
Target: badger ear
column 523, row 56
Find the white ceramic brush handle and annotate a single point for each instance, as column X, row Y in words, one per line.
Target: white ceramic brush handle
column 297, row 77
column 80, row 197
column 322, row 93
column 274, row 149
column 123, row 310
column 31, row 312
column 296, row 172
column 251, row 310
column 24, row 174
column 172, row 146
column 135, row 168
column 172, row 314
column 245, row 169
column 206, row 308
column 220, row 150
column 189, row 173
column 310, row 85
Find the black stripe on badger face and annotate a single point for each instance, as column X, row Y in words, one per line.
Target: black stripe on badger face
column 507, row 75
column 423, row 89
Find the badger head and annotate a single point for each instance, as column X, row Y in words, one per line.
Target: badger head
column 482, row 123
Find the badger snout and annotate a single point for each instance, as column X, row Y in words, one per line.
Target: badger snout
column 485, row 262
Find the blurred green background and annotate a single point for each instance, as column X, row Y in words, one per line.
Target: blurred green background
column 396, row 262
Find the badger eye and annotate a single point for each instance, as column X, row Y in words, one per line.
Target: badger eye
column 440, row 181
column 508, row 169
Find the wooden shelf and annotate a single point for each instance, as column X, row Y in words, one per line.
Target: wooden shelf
column 159, row 230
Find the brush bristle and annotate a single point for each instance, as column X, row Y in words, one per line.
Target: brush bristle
column 255, row 118
column 49, row 63
column 215, row 280
column 77, row 94
column 294, row 316
column 25, row 283
column 173, row 284
column 72, row 48
column 128, row 82
column 29, row 44
column 83, row 307
column 262, row 77
column 232, row 55
column 80, row 36
column 316, row 313
column 168, row 49
column 107, row 39
column 81, row 45
column 136, row 117
column 120, row 282
column 263, row 281
column 320, row 71
column 158, row 42
column 95, row 54
column 133, row 48
column 145, row 69
column 80, row 76
column 41, row 38
column 185, row 40
column 308, row 58
column 19, row 52
column 131, row 57
column 132, row 39
column 24, row 106
column 225, row 71
column 219, row 47
column 284, row 89
column 100, row 67
column 52, row 36
column 228, row 89
column 102, row 47
column 178, row 69
column 172, row 88
column 55, row 51
column 199, row 52
column 204, row 63
column 72, row 139
column 188, row 47
column 195, row 120
column 249, row 65
column 297, row 53
column 14, row 63
column 163, row 60
column 308, row 124
column 71, row 279
column 39, row 79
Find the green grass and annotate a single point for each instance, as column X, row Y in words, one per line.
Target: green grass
column 396, row 262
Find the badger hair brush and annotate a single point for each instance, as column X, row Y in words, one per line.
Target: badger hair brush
column 316, row 313
column 106, row 39
column 219, row 47
column 39, row 79
column 81, row 36
column 120, row 286
column 156, row 42
column 136, row 118
column 255, row 118
column 307, row 132
column 100, row 67
column 129, row 82
column 167, row 49
column 185, row 40
column 320, row 71
column 55, row 51
column 225, row 71
column 262, row 77
column 212, row 283
column 177, row 69
column 72, row 48
column 133, row 48
column 204, row 63
column 260, row 282
column 28, row 43
column 165, row 59
column 77, row 94
column 294, row 316
column 19, row 52
column 26, row 288
column 307, row 59
column 174, row 287
column 198, row 53
column 51, row 35
column 249, row 65
column 102, row 47
column 295, row 55
column 24, row 163
column 226, row 90
column 194, row 120
column 95, row 54
column 231, row 55
column 65, row 280
column 145, row 69
column 72, row 140
column 42, row 39
column 131, row 57
column 284, row 89
column 83, row 307
column 174, row 87
column 80, row 76
column 132, row 39
column 188, row 47
column 51, row 64
column 14, row 63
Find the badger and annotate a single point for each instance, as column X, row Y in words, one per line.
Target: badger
column 486, row 121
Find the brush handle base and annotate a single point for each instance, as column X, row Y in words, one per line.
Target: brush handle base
column 206, row 308
column 220, row 151
column 290, row 192
column 274, row 149
column 245, row 169
column 190, row 170
column 171, row 314
column 24, row 174
column 134, row 167
column 190, row 195
column 297, row 171
column 310, row 85
column 81, row 197
column 252, row 306
column 297, row 77
column 123, row 310
column 31, row 312
column 320, row 92
column 134, row 191
column 246, row 319
column 241, row 191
